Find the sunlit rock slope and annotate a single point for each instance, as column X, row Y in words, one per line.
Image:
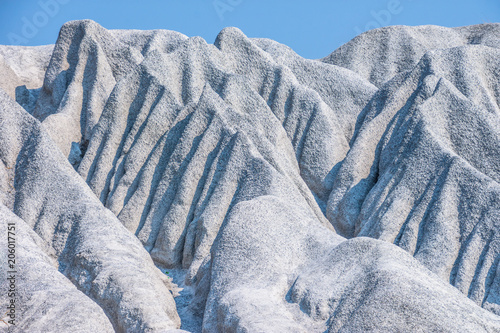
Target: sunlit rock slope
column 159, row 182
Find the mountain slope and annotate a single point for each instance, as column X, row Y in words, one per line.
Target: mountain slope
column 23, row 69
column 47, row 301
column 380, row 54
column 423, row 171
column 92, row 248
column 283, row 194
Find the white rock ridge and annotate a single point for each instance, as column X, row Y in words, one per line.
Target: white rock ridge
column 379, row 54
column 356, row 193
column 90, row 246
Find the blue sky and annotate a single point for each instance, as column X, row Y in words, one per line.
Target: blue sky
column 312, row 28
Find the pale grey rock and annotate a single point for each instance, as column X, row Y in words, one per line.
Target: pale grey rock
column 81, row 74
column 94, row 251
column 171, row 151
column 46, row 301
column 345, row 92
column 264, row 277
column 147, row 41
column 22, row 70
column 224, row 159
column 280, row 89
column 86, row 63
column 423, row 170
column 380, row 54
column 23, row 66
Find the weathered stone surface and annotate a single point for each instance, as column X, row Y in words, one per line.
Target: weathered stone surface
column 423, row 171
column 92, row 248
column 380, row 54
column 270, row 187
